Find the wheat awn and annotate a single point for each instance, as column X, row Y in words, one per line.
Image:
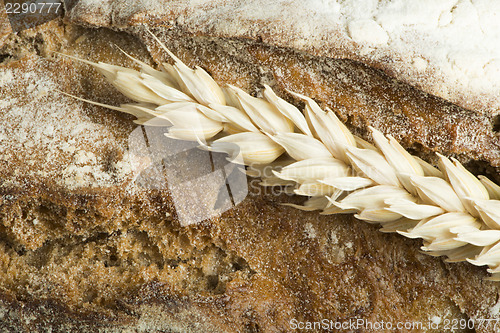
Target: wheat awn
column 456, row 214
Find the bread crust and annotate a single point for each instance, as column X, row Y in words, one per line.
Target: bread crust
column 83, row 247
column 446, row 60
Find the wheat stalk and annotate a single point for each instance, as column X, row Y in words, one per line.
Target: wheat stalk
column 456, row 214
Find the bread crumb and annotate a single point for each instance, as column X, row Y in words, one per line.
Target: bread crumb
column 495, row 310
column 5, row 77
column 367, row 31
column 310, row 231
column 333, row 238
column 436, row 320
column 420, row 64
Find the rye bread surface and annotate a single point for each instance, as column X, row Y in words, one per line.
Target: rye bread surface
column 84, row 247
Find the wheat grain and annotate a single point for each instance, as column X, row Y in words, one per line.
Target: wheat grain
column 456, row 214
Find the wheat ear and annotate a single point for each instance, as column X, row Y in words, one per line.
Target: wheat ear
column 456, row 214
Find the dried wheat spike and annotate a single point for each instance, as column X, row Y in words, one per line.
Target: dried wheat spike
column 456, row 214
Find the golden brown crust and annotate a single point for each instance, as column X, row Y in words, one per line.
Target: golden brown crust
column 79, row 252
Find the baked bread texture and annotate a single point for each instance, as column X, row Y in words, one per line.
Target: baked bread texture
column 85, row 246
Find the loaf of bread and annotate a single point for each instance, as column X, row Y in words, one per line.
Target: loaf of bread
column 88, row 243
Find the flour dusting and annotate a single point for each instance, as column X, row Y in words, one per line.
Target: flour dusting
column 447, row 48
column 56, row 142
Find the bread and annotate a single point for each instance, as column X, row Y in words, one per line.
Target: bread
column 84, row 247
